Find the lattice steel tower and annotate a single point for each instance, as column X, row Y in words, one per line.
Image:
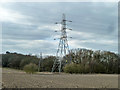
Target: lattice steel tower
column 63, row 47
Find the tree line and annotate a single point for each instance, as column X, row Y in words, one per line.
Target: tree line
column 82, row 61
column 19, row 61
column 89, row 61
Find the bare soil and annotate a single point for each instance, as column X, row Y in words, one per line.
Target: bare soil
column 18, row 79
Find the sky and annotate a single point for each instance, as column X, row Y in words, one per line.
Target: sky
column 28, row 27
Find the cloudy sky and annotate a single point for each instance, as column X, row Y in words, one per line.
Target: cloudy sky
column 28, row 27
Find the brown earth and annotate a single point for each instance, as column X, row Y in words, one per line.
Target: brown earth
column 18, row 79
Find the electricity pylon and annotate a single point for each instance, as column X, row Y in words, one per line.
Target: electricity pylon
column 39, row 65
column 63, row 47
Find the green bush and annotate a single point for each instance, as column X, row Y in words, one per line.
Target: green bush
column 80, row 68
column 68, row 68
column 25, row 62
column 30, row 68
column 99, row 68
column 74, row 68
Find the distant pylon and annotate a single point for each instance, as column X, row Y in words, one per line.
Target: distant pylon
column 39, row 65
column 63, row 47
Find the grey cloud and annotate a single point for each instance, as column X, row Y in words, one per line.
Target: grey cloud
column 26, row 47
column 29, row 32
column 97, row 19
column 98, row 46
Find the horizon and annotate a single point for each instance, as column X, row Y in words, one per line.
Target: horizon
column 45, row 55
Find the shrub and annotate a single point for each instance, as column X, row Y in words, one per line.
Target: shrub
column 99, row 68
column 74, row 68
column 68, row 68
column 30, row 68
column 25, row 62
